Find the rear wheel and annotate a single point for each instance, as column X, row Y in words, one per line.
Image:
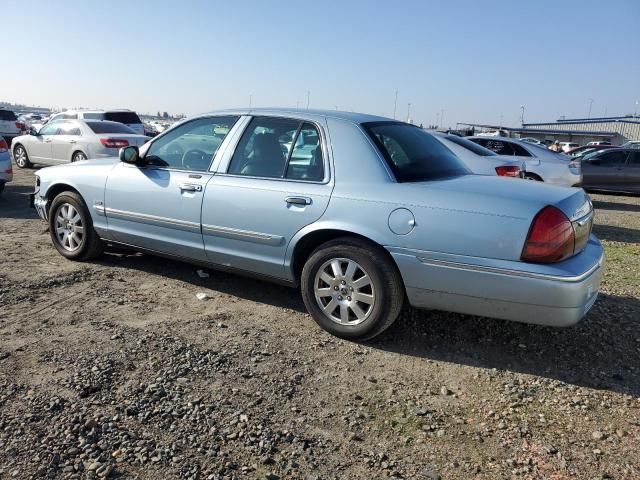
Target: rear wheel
column 78, row 156
column 352, row 289
column 1, row 186
column 71, row 228
column 532, row 176
column 21, row 157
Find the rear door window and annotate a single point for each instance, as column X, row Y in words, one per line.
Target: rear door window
column 520, row 150
column 499, row 147
column 610, row 159
column 279, row 148
column 122, row 117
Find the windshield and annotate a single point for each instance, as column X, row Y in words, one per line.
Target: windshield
column 412, row 154
column 469, row 145
column 122, row 117
column 109, row 127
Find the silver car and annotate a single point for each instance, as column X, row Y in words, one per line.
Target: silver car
column 541, row 163
column 128, row 117
column 363, row 214
column 480, row 160
column 73, row 140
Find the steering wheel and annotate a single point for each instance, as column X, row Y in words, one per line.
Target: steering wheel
column 196, row 159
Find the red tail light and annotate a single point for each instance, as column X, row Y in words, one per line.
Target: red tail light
column 9, row 170
column 114, row 142
column 20, row 126
column 3, row 145
column 508, row 171
column 551, row 237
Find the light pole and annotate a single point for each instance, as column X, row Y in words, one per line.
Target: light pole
column 442, row 117
column 522, row 115
column 590, row 105
column 408, row 112
column 308, row 98
column 249, row 100
column 395, row 105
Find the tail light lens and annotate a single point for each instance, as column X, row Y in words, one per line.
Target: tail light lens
column 20, row 126
column 9, row 170
column 114, row 142
column 3, row 145
column 551, row 237
column 508, row 171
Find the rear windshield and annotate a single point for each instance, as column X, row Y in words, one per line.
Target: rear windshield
column 109, row 127
column 122, row 117
column 412, row 154
column 7, row 115
column 469, row 145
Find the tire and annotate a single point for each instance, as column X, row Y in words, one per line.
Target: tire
column 78, row 156
column 67, row 214
column 21, row 157
column 2, row 186
column 384, row 292
column 532, row 176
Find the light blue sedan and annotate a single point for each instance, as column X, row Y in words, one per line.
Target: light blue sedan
column 363, row 213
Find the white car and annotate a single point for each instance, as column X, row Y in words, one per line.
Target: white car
column 535, row 141
column 480, row 160
column 10, row 126
column 541, row 163
column 600, row 142
column 73, row 140
column 128, row 117
column 635, row 144
column 566, row 146
column 31, row 119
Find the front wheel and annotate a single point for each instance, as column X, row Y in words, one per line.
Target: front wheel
column 71, row 228
column 352, row 289
column 21, row 157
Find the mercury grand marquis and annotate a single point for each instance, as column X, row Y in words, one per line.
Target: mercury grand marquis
column 363, row 213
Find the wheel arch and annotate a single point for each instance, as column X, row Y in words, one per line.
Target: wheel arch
column 54, row 190
column 305, row 242
column 77, row 150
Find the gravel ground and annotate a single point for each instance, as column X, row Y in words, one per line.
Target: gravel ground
column 115, row 369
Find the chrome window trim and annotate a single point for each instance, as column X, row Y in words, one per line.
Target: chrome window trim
column 510, row 272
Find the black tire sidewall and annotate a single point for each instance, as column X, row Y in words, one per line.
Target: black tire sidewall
column 74, row 157
column 76, row 201
column 379, row 317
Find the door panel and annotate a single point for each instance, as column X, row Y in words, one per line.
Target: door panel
column 157, row 209
column 247, row 222
column 605, row 170
column 61, row 148
column 278, row 182
column 632, row 172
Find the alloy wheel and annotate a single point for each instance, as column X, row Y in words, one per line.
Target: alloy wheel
column 21, row 157
column 69, row 227
column 344, row 291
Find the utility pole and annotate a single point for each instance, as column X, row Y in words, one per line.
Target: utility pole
column 408, row 112
column 308, row 98
column 395, row 105
column 522, row 115
column 442, row 117
column 590, row 105
column 500, row 120
column 249, row 100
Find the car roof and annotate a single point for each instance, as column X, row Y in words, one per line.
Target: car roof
column 302, row 113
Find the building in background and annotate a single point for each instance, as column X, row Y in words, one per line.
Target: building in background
column 616, row 130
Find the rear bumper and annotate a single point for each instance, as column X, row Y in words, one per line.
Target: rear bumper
column 560, row 296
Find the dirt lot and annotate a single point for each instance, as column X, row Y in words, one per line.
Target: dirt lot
column 115, row 369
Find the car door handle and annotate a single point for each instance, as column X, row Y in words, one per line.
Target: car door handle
column 188, row 187
column 298, row 201
column 48, row 140
column 72, row 141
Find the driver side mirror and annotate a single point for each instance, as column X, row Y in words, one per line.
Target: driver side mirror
column 129, row 155
column 33, row 131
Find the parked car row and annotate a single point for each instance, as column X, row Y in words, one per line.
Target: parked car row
column 362, row 212
column 6, row 170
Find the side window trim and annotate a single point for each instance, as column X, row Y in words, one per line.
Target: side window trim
column 224, row 163
column 294, row 140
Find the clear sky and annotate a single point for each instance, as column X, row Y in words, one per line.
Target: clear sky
column 478, row 61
